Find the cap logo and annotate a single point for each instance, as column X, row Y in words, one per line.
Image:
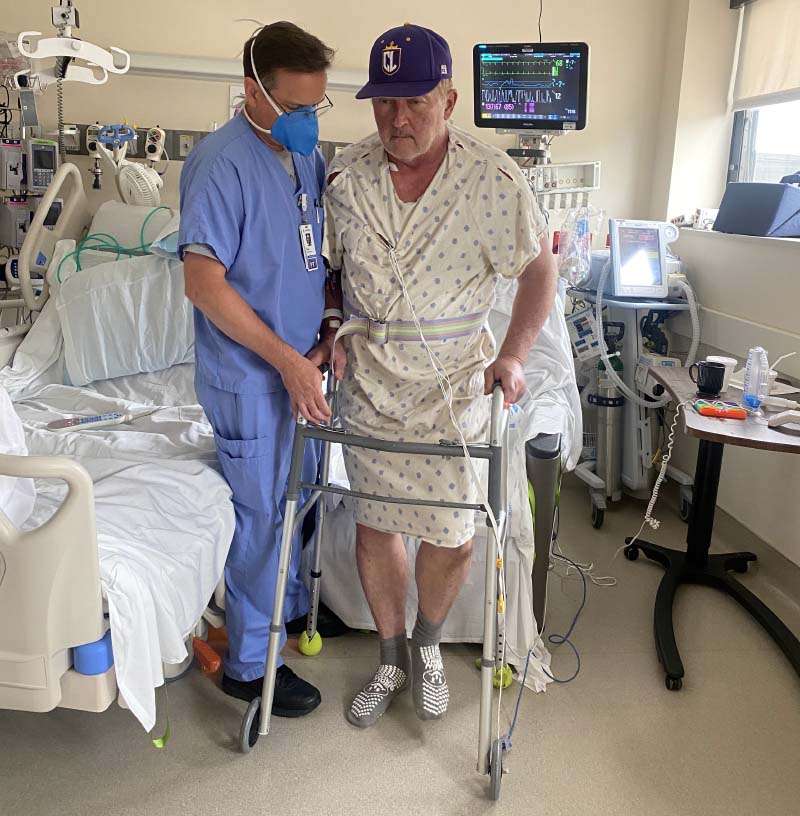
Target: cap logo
column 444, row 70
column 391, row 59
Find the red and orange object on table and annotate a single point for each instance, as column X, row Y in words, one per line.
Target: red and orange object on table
column 717, row 408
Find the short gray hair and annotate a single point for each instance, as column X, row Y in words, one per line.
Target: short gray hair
column 445, row 86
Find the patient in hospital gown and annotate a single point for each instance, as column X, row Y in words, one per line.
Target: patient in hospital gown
column 475, row 221
column 422, row 220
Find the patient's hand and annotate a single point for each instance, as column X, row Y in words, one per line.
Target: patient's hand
column 509, row 372
column 321, row 353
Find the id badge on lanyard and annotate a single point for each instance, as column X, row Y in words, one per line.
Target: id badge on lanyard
column 307, row 242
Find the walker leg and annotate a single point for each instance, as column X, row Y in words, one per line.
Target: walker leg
column 316, row 571
column 284, row 561
column 310, row 642
column 276, row 627
column 488, row 657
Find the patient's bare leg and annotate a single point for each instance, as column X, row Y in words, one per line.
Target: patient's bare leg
column 383, row 567
column 440, row 574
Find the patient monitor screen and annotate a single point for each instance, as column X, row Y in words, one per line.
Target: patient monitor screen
column 639, row 257
column 541, row 86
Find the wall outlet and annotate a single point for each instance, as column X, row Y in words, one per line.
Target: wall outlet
column 185, row 144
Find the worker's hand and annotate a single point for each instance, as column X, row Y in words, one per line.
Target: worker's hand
column 321, row 353
column 303, row 380
column 509, row 372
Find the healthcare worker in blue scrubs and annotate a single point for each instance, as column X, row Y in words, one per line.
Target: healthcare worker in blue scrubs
column 250, row 237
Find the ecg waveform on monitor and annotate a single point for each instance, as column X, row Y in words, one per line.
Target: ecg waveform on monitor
column 520, row 96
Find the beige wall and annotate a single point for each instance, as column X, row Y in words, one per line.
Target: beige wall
column 694, row 126
column 703, row 128
column 626, row 37
column 674, row 48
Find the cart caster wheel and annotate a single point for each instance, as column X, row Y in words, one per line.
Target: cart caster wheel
column 673, row 683
column 495, row 770
column 684, row 510
column 598, row 517
column 248, row 734
column 310, row 648
column 631, row 552
column 503, row 677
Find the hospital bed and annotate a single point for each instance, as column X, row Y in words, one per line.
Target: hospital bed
column 131, row 524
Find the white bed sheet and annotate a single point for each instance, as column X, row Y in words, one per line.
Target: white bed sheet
column 164, row 515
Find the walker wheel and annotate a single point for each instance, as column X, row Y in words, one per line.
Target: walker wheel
column 598, row 517
column 673, row 683
column 503, row 677
column 631, row 552
column 248, row 734
column 495, row 770
column 310, row 648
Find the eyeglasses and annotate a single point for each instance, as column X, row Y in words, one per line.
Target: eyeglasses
column 319, row 110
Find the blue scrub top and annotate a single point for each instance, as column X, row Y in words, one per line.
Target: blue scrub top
column 237, row 197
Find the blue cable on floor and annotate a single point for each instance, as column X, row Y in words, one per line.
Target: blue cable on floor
column 557, row 640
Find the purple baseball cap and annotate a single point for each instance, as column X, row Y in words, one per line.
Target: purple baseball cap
column 407, row 61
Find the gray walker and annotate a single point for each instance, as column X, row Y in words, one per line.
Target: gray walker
column 256, row 721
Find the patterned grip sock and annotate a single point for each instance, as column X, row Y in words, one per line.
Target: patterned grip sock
column 429, row 684
column 388, row 681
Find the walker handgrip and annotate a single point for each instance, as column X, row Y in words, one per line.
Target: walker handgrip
column 499, row 414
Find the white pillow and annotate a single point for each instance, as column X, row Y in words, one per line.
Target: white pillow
column 127, row 222
column 17, row 496
column 123, row 317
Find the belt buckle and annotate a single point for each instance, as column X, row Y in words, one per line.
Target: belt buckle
column 377, row 331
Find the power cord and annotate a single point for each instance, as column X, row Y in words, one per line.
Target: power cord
column 541, row 9
column 648, row 516
column 559, row 640
column 556, row 640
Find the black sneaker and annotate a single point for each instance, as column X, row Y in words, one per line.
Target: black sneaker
column 294, row 697
column 328, row 624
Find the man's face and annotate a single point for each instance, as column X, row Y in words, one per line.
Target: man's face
column 290, row 90
column 409, row 127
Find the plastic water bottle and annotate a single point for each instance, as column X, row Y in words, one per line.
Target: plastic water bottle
column 756, row 379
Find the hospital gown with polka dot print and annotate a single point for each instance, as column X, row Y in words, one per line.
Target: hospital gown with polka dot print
column 477, row 220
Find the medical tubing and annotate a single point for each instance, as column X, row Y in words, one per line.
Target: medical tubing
column 618, row 381
column 683, row 285
column 107, row 241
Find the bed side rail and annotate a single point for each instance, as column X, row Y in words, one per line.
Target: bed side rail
column 50, row 597
column 39, row 244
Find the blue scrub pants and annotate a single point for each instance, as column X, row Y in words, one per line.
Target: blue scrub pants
column 254, row 434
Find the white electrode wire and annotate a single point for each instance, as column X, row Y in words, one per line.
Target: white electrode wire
column 445, row 386
column 618, row 381
column 648, row 516
column 694, row 313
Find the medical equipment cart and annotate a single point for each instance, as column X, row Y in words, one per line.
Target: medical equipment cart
column 637, row 453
